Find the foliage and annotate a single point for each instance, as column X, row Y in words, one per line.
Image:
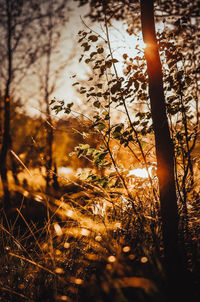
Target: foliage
column 101, row 239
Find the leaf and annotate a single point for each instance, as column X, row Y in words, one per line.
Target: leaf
column 136, row 84
column 115, row 87
column 67, row 110
column 69, row 105
column 108, row 64
column 116, row 134
column 52, row 102
column 93, row 38
column 144, row 86
column 125, row 56
column 100, row 50
column 86, row 46
column 97, row 104
column 90, row 151
column 114, row 60
column 81, row 58
column 101, row 126
column 93, row 54
column 84, row 146
column 57, row 108
column 74, row 84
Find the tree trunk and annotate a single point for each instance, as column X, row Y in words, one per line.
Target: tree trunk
column 6, row 139
column 163, row 142
column 49, row 128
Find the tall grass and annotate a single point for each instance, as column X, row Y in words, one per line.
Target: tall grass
column 91, row 244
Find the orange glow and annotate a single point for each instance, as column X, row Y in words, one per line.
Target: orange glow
column 69, row 213
column 85, row 232
column 131, row 257
column 126, row 249
column 111, row 259
column 66, row 245
column 98, row 238
column 144, row 259
column 63, row 298
column 58, row 229
column 78, row 281
column 59, row 270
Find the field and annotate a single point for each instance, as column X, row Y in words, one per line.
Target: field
column 88, row 243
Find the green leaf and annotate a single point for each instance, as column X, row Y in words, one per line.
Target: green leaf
column 84, row 146
column 101, row 126
column 116, row 134
column 90, row 151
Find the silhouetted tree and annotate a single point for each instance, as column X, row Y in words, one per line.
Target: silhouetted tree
column 21, row 45
column 51, row 26
column 163, row 142
column 144, row 10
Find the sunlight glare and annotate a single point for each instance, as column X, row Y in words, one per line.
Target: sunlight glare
column 85, row 232
column 69, row 213
column 140, row 172
column 144, row 259
column 142, row 45
column 38, row 198
column 126, row 249
column 111, row 259
column 59, row 270
column 78, row 281
column 58, row 229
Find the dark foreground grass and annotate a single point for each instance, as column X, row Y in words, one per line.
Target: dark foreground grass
column 89, row 245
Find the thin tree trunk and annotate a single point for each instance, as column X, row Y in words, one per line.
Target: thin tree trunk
column 6, row 139
column 49, row 161
column 163, row 142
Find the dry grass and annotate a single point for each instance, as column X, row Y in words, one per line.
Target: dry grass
column 92, row 244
